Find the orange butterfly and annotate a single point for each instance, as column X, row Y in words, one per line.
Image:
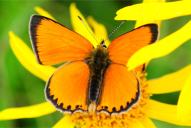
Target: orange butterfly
column 93, row 79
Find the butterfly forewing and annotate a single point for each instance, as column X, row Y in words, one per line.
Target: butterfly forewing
column 53, row 43
column 123, row 47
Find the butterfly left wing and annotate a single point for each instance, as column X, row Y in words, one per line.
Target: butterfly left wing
column 67, row 87
column 120, row 90
column 53, row 43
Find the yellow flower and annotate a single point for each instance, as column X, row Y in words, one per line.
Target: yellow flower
column 139, row 115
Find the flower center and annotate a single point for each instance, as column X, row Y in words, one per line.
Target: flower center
column 87, row 120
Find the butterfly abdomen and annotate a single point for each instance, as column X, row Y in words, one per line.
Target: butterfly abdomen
column 98, row 62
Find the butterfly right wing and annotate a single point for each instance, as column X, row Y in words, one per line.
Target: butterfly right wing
column 121, row 87
column 67, row 88
column 53, row 43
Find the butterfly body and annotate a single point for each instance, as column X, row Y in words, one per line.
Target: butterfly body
column 97, row 62
column 93, row 79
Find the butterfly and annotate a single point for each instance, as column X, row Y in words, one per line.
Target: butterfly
column 91, row 79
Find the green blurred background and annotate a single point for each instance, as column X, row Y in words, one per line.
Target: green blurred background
column 18, row 87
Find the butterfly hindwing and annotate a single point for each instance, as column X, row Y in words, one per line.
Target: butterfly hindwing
column 67, row 87
column 120, row 90
column 53, row 43
column 125, row 45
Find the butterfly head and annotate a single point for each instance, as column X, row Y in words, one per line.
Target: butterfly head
column 99, row 58
column 103, row 44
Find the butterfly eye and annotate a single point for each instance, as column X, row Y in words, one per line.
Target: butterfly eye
column 103, row 44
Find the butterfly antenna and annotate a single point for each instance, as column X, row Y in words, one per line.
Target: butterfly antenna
column 113, row 31
column 85, row 25
column 116, row 28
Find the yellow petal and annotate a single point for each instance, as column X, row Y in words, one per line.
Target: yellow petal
column 81, row 26
column 164, row 112
column 184, row 101
column 142, row 22
column 27, row 59
column 42, row 12
column 154, row 11
column 161, row 48
column 136, row 124
column 32, row 111
column 65, row 122
column 99, row 30
column 169, row 83
column 147, row 123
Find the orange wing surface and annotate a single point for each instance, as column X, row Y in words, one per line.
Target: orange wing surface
column 53, row 43
column 125, row 45
column 67, row 88
column 120, row 90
